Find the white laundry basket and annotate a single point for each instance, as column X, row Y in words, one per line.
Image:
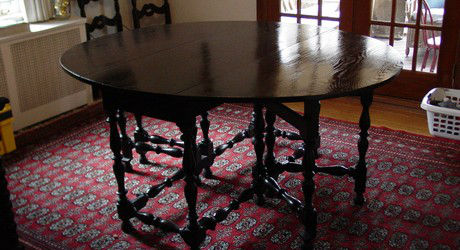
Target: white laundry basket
column 443, row 122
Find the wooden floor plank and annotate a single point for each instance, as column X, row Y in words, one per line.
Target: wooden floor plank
column 393, row 113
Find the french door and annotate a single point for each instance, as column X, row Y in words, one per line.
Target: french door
column 425, row 32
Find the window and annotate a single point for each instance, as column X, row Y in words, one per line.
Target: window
column 320, row 12
column 408, row 26
column 413, row 27
column 10, row 12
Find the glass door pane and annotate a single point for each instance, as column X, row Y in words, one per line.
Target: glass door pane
column 412, row 27
column 309, row 7
column 289, row 6
column 381, row 10
column 317, row 12
column 433, row 12
column 331, row 8
column 428, row 53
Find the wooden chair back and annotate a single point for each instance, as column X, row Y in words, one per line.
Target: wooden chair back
column 100, row 21
column 149, row 9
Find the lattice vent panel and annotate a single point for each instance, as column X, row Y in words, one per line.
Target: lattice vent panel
column 3, row 84
column 39, row 78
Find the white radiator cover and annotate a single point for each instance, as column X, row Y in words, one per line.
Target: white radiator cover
column 30, row 75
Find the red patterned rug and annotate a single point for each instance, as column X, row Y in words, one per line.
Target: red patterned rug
column 64, row 192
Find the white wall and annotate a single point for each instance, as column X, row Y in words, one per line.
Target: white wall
column 181, row 10
column 213, row 10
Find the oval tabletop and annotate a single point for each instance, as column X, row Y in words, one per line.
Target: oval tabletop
column 235, row 61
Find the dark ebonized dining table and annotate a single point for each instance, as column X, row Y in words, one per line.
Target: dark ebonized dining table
column 178, row 72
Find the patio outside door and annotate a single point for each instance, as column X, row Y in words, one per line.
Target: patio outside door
column 317, row 12
column 424, row 31
column 419, row 31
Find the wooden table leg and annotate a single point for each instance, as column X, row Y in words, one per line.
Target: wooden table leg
column 363, row 144
column 206, row 146
column 127, row 144
column 140, row 135
column 192, row 234
column 270, row 164
column 311, row 116
column 258, row 170
column 124, row 206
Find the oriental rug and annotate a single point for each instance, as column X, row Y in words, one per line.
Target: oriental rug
column 64, row 192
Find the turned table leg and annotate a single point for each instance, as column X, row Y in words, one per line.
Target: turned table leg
column 127, row 144
column 206, row 146
column 193, row 235
column 311, row 116
column 258, row 170
column 270, row 119
column 140, row 135
column 124, row 207
column 363, row 144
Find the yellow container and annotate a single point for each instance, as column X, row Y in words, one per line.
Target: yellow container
column 7, row 143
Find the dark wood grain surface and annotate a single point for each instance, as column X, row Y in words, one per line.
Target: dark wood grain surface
column 235, row 61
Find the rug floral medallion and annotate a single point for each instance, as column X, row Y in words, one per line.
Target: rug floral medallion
column 64, row 191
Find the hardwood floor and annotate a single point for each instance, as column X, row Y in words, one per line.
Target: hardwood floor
column 393, row 113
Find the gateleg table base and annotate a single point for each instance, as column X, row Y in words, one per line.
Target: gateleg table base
column 199, row 157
